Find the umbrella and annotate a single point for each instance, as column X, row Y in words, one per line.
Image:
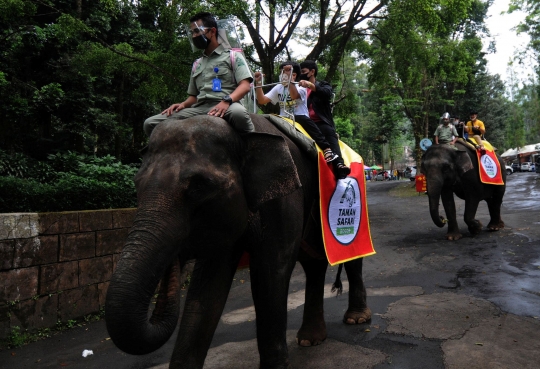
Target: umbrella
column 375, row 167
column 366, row 167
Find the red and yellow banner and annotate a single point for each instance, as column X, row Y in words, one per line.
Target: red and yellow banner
column 343, row 205
column 344, row 212
column 489, row 166
column 420, row 183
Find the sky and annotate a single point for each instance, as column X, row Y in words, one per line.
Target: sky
column 507, row 41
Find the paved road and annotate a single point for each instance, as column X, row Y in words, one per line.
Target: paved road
column 472, row 303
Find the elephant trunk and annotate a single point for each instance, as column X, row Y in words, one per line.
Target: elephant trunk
column 434, row 194
column 150, row 255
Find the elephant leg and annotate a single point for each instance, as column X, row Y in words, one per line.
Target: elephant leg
column 447, row 198
column 313, row 330
column 474, row 226
column 210, row 284
column 358, row 311
column 494, row 206
column 272, row 261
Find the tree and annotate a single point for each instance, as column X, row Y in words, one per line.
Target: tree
column 84, row 75
column 425, row 51
column 333, row 26
column 531, row 26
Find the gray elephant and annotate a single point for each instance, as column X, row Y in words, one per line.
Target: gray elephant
column 206, row 193
column 450, row 171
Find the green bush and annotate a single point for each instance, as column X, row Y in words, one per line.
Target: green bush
column 21, row 166
column 67, row 182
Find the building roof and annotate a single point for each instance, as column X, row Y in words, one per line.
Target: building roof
column 527, row 149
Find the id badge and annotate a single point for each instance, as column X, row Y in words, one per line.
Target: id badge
column 216, row 85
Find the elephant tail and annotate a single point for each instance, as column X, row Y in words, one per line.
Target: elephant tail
column 338, row 286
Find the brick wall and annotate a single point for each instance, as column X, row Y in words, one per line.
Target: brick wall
column 57, row 266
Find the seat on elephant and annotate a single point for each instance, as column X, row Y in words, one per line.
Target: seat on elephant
column 341, row 201
column 293, row 132
column 471, row 145
column 300, row 137
column 489, row 165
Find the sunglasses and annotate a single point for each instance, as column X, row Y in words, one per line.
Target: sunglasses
column 196, row 31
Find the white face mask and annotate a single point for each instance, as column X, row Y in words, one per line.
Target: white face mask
column 284, row 78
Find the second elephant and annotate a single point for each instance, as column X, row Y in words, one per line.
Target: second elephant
column 450, row 171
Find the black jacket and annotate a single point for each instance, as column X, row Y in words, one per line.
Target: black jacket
column 321, row 99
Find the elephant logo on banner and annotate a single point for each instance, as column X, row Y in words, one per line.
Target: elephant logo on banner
column 489, row 165
column 345, row 211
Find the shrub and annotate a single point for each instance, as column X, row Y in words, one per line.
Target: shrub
column 69, row 182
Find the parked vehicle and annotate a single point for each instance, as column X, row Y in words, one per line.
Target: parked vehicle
column 379, row 176
column 516, row 167
column 526, row 167
column 410, row 172
column 509, row 170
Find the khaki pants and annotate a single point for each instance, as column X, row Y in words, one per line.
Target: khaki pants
column 478, row 140
column 236, row 115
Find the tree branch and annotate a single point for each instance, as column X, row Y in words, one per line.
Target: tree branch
column 131, row 57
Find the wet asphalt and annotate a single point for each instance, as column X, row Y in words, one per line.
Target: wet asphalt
column 472, row 303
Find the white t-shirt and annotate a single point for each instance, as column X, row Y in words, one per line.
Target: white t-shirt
column 280, row 94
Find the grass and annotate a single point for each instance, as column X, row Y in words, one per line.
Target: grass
column 19, row 337
column 405, row 189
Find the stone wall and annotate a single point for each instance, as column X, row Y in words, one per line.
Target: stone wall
column 57, row 266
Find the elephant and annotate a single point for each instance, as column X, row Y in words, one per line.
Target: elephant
column 450, row 171
column 204, row 192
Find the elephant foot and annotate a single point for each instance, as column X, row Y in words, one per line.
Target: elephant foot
column 476, row 228
column 311, row 335
column 355, row 317
column 495, row 226
column 454, row 236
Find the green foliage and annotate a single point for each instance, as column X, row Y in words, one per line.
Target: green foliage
column 427, row 52
column 70, row 182
column 86, row 78
column 21, row 166
column 17, row 338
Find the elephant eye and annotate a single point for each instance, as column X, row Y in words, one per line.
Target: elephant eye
column 200, row 187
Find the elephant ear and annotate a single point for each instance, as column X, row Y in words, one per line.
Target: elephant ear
column 463, row 162
column 269, row 171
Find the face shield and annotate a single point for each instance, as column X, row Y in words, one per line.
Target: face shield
column 196, row 31
column 226, row 35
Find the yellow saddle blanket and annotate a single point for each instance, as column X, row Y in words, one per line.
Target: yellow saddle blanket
column 349, row 155
column 489, row 167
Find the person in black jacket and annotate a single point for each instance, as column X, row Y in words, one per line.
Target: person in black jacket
column 320, row 111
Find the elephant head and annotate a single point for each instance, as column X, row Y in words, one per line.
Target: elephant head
column 443, row 167
column 198, row 183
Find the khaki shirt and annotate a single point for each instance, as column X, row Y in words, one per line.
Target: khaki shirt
column 445, row 133
column 200, row 83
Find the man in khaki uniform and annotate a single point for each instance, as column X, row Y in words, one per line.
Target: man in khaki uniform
column 216, row 84
column 446, row 133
